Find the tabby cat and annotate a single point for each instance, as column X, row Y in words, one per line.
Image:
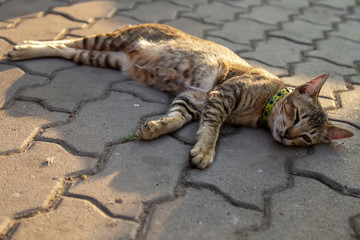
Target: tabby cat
column 209, row 81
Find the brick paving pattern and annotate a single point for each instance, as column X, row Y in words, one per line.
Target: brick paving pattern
column 71, row 170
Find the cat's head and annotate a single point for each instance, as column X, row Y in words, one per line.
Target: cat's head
column 298, row 119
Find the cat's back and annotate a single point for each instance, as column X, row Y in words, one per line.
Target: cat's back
column 174, row 61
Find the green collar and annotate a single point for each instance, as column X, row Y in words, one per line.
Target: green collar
column 273, row 100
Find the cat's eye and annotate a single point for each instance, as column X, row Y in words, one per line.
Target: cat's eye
column 306, row 138
column 297, row 117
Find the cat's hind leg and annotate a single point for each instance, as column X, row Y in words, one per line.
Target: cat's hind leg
column 185, row 108
column 70, row 50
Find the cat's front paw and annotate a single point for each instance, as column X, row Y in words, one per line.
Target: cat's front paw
column 202, row 156
column 148, row 131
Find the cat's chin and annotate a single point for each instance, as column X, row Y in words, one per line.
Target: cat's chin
column 276, row 135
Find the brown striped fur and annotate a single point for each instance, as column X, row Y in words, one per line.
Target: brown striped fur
column 209, row 81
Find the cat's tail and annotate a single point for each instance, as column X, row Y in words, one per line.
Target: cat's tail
column 97, row 50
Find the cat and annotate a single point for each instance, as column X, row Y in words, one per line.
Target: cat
column 209, row 81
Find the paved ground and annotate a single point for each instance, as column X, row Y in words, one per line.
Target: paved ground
column 70, row 169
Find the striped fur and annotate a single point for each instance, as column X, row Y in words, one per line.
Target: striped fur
column 209, row 81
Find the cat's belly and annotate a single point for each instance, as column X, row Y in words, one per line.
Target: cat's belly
column 246, row 119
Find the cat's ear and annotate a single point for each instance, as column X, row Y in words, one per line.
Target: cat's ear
column 313, row 87
column 334, row 132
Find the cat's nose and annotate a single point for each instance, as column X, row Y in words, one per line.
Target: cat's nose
column 287, row 134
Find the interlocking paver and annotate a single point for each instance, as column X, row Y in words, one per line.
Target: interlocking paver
column 289, row 4
column 142, row 91
column 66, row 90
column 43, row 28
column 346, row 30
column 54, row 110
column 245, row 170
column 86, row 10
column 305, row 71
column 145, row 11
column 153, row 167
column 235, row 47
column 105, row 25
column 269, row 14
column 21, row 195
column 337, row 50
column 104, row 121
column 350, row 111
column 13, row 80
column 320, row 15
column 44, row 67
column 231, row 30
column 207, row 219
column 355, row 15
column 294, row 31
column 190, row 26
column 312, row 211
column 276, row 52
column 14, row 133
column 11, row 9
column 208, row 13
column 335, row 4
column 89, row 222
column 338, row 161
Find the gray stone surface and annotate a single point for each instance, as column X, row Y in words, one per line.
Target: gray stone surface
column 305, row 71
column 293, row 31
column 43, row 28
column 66, row 91
column 15, row 135
column 276, row 52
column 104, row 121
column 346, row 30
column 89, row 10
column 311, row 211
column 39, row 179
column 153, row 167
column 14, row 80
column 11, row 9
column 231, row 30
column 207, row 12
column 190, row 26
column 350, row 110
column 207, row 219
column 269, row 14
column 320, row 15
column 164, row 11
column 245, row 170
column 82, row 175
column 60, row 224
column 333, row 49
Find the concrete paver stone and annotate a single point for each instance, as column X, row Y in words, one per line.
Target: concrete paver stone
column 15, row 135
column 66, row 89
column 199, row 215
column 153, row 167
column 89, row 222
column 13, row 80
column 164, row 11
column 333, row 48
column 43, row 28
column 31, row 191
column 231, row 30
column 245, row 170
column 269, row 14
column 312, row 211
column 86, row 10
column 207, row 13
column 346, row 30
column 320, row 15
column 10, row 9
column 104, row 121
column 190, row 26
column 276, row 52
